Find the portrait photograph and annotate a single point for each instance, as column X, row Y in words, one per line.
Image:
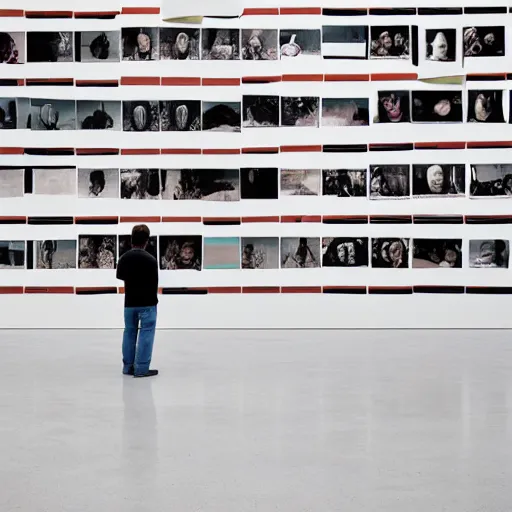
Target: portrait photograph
column 97, row 46
column 389, row 181
column 344, row 42
column 50, row 47
column 345, row 252
column 393, row 107
column 141, row 116
column 438, row 180
column 441, row 45
column 344, row 182
column 300, row 252
column 220, row 44
column 97, row 251
column 98, row 183
column 390, row 252
column 485, row 106
column 437, row 253
column 300, row 111
column 299, row 43
column 260, row 252
column 489, row 253
column 181, row 252
column 390, row 42
column 181, row 116
column 259, row 44
column 260, row 111
column 221, row 116
column 179, row 43
column 139, row 43
column 98, row 115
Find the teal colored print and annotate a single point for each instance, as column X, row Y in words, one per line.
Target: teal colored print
column 223, row 266
column 229, row 240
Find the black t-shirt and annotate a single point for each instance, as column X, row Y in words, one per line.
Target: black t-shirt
column 139, row 271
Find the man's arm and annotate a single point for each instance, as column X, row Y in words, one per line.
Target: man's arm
column 120, row 270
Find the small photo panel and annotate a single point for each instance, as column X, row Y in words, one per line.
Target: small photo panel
column 259, row 183
column 484, row 41
column 179, row 44
column 393, row 107
column 12, row 182
column 345, row 252
column 437, row 180
column 97, row 251
column 491, row 180
column 140, row 43
column 437, row 253
column 441, row 45
column 485, row 106
column 220, row 44
column 221, row 253
column 49, row 46
column 344, row 182
column 221, row 116
column 182, row 116
column 300, row 252
column 140, row 184
column 345, row 42
column 52, row 114
column 260, row 111
column 141, row 116
column 300, row 182
column 260, row 253
column 181, row 252
column 98, row 183
column 54, row 254
column 489, row 253
column 436, row 106
column 300, row 43
column 8, row 114
column 54, row 181
column 345, row 112
column 12, row 47
column 390, row 42
column 300, row 111
column 389, row 181
column 259, row 44
column 12, row 254
column 98, row 115
column 390, row 252
column 96, row 46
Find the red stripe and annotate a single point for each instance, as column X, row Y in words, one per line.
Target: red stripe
column 225, row 289
column 180, row 151
column 12, row 13
column 92, row 151
column 140, row 80
column 301, row 218
column 21, row 81
column 301, row 149
column 300, row 10
column 303, row 78
column 181, row 219
column 375, row 77
column 301, row 289
column 439, row 145
column 221, row 81
column 269, row 11
column 140, row 10
column 346, row 78
column 269, row 79
column 49, row 289
column 501, row 144
column 11, row 151
column 261, row 289
column 268, row 218
column 232, row 151
column 501, row 75
column 95, row 14
column 49, row 14
column 140, row 219
column 10, row 290
column 180, row 80
column 261, row 150
column 11, row 218
column 140, row 151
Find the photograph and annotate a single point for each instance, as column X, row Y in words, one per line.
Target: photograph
column 437, row 253
column 300, row 182
column 390, row 42
column 140, row 184
column 344, row 182
column 221, row 116
column 259, row 44
column 435, row 180
column 345, row 252
column 436, row 106
column 97, row 251
column 390, row 252
column 97, row 46
column 140, row 43
column 23, row 113
column 179, row 43
column 54, row 254
column 491, row 180
column 52, row 114
column 389, row 181
column 12, row 47
column 221, row 253
column 260, row 252
column 182, row 252
column 300, row 252
column 485, row 106
column 98, row 183
column 57, row 181
column 393, row 107
column 141, row 116
column 260, row 111
column 300, row 111
column 345, row 42
column 300, row 43
column 182, row 116
column 220, row 44
column 12, row 254
column 125, row 244
column 50, row 47
column 262, row 183
column 98, row 115
column 345, row 112
column 8, row 114
column 441, row 44
column 12, row 182
column 489, row 253
column 484, row 41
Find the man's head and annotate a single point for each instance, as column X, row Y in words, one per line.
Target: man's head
column 140, row 236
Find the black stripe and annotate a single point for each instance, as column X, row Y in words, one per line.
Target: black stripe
column 87, row 16
column 414, row 49
column 29, row 182
column 99, row 84
column 78, row 46
column 97, row 221
column 42, row 16
column 406, row 146
column 485, row 10
column 46, row 83
column 13, row 221
column 487, row 145
column 439, row 11
column 390, row 291
column 222, row 223
column 348, row 290
column 107, row 291
column 489, row 290
column 395, row 11
column 49, row 220
column 8, row 82
column 438, row 219
column 256, row 152
column 30, row 254
column 184, row 291
column 349, row 220
column 438, row 289
column 344, row 12
column 50, row 151
column 337, row 57
column 477, row 219
column 390, row 219
column 484, row 78
column 344, row 148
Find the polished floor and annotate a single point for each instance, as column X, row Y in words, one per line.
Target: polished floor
column 270, row 421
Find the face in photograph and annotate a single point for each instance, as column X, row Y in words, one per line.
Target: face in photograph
column 344, row 252
column 259, row 183
column 345, row 112
column 12, row 254
column 179, row 44
column 99, row 46
column 97, row 251
column 59, row 181
column 439, row 180
column 300, row 182
column 221, row 253
column 181, row 116
column 489, row 253
column 389, row 181
column 12, row 182
column 140, row 44
column 344, row 182
column 393, row 107
column 260, row 111
column 436, row 106
column 300, row 43
column 485, row 106
column 441, row 45
column 300, row 252
column 390, row 252
column 140, row 184
column 8, row 114
column 259, row 44
column 437, row 253
column 221, row 116
column 125, row 244
column 182, row 252
column 49, row 46
column 98, row 183
column 260, row 253
column 98, row 115
column 12, row 47
column 491, row 180
column 52, row 115
column 221, row 44
column 55, row 254
column 344, row 42
column 389, row 42
column 484, row 41
column 141, row 116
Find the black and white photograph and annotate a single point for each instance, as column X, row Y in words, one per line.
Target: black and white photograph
column 179, row 43
column 260, row 252
column 220, row 44
column 12, row 182
column 441, row 44
column 182, row 116
column 344, row 182
column 98, row 183
column 221, row 116
column 12, row 47
column 484, row 41
column 436, row 106
column 491, row 180
column 52, row 114
column 438, row 180
column 55, row 181
column 489, row 253
column 50, row 47
column 259, row 44
column 437, row 253
column 12, row 255
column 8, row 114
column 97, row 251
column 345, row 112
column 262, row 183
column 140, row 43
column 181, row 252
column 345, row 42
column 260, row 111
column 98, row 115
column 393, row 107
column 389, row 181
column 125, row 244
column 300, row 182
column 300, row 111
column 141, row 116
column 97, row 46
column 140, row 184
column 23, row 113
column 485, row 106
column 390, row 42
column 300, row 252
column 54, row 255
column 390, row 252
column 345, row 252
column 300, row 43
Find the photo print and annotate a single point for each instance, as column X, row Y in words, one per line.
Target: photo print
column 485, row 106
column 125, row 244
column 300, row 252
column 55, row 181
column 98, row 115
column 139, row 44
column 441, row 44
column 221, row 116
column 220, row 44
column 141, row 116
column 437, row 253
column 23, row 113
column 259, row 44
column 179, row 43
column 12, row 47
column 393, row 107
column 344, row 42
column 12, row 254
column 260, row 111
column 182, row 116
column 262, row 183
column 489, row 253
column 54, row 254
column 221, row 253
column 344, row 182
column 390, row 252
column 484, row 41
column 52, row 114
column 300, row 182
column 97, row 46
column 300, row 43
column 345, row 112
column 260, row 252
column 49, row 46
column 300, row 111
column 436, row 106
column 390, row 42
column 12, row 182
column 98, row 183
column 183, row 252
column 345, row 252
column 491, row 180
column 435, row 180
column 8, row 114
column 97, row 251
column 140, row 184
column 389, row 181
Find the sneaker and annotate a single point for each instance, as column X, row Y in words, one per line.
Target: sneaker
column 150, row 373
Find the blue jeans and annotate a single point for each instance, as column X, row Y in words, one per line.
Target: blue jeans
column 137, row 354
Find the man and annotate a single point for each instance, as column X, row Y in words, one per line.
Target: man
column 139, row 271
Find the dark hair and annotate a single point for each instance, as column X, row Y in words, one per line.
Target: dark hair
column 140, row 235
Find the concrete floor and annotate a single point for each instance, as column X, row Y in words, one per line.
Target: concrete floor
column 309, row 421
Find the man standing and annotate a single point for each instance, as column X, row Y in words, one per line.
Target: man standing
column 139, row 271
